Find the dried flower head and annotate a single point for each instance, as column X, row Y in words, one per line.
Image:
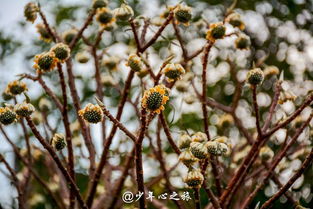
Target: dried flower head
column 242, row 42
column 16, row 87
column 82, row 57
column 216, row 31
column 105, row 17
column 30, row 12
column 58, row 141
column 271, row 70
column 44, row 33
column 199, row 137
column 255, row 76
column 124, row 12
column 187, row 158
column 24, row 109
column 61, row 51
column 7, row 115
column 173, row 71
column 184, row 141
column 99, row 4
column 235, row 20
column 266, row 153
column 155, row 98
column 183, row 14
column 69, row 35
column 135, row 63
column 92, row 113
column 194, row 178
column 199, row 150
column 45, row 62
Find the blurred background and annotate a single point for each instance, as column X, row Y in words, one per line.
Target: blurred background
column 280, row 32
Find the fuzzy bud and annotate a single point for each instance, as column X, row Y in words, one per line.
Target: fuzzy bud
column 217, row 148
column 194, row 178
column 44, row 33
column 198, row 150
column 30, row 11
column 61, row 52
column 135, row 63
column 99, row 4
column 216, row 31
column 187, row 158
column 105, row 17
column 58, row 141
column 155, row 98
column 44, row 105
column 184, row 141
column 199, row 137
column 266, row 153
column 173, row 71
column 124, row 12
column 92, row 113
column 16, row 87
column 7, row 115
column 255, row 76
column 24, row 109
column 183, row 14
column 242, row 42
column 69, row 35
column 82, row 57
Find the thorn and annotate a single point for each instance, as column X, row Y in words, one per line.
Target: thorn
column 281, row 76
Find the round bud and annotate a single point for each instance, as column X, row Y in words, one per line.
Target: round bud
column 190, row 99
column 110, row 63
column 82, row 57
column 61, row 52
column 105, row 17
column 45, row 62
column 155, row 98
column 184, row 141
column 199, row 137
column 187, row 158
column 182, row 86
column 216, row 31
column 58, row 141
column 255, row 76
column 37, row 118
column 7, row 115
column 183, row 14
column 108, row 80
column 99, row 4
column 235, row 20
column 194, row 178
column 242, row 42
column 16, row 87
column 92, row 113
column 216, row 148
column 173, row 72
column 142, row 73
column 135, row 63
column 124, row 12
column 266, row 153
column 24, row 109
column 6, row 95
column 44, row 105
column 198, row 150
column 69, row 35
column 30, row 12
column 44, row 33
column 225, row 120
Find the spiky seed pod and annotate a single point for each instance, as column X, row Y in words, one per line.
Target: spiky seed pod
column 16, row 87
column 7, row 115
column 173, row 71
column 58, row 141
column 184, row 141
column 61, row 51
column 82, row 57
column 182, row 86
column 108, row 80
column 24, row 109
column 124, row 12
column 135, row 63
column 187, row 158
column 216, row 31
column 199, row 137
column 99, row 4
column 30, row 12
column 194, row 178
column 44, row 105
column 92, row 113
column 255, row 76
column 183, row 14
column 6, row 95
column 105, row 17
column 266, row 153
column 235, row 20
column 216, row 148
column 271, row 70
column 242, row 42
column 44, row 34
column 198, row 150
column 69, row 35
column 110, row 63
column 155, row 98
column 286, row 96
column 45, row 62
